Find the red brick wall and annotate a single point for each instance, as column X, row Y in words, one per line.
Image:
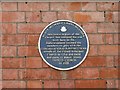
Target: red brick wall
column 22, row 65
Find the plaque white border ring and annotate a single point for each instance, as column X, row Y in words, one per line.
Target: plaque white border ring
column 52, row 65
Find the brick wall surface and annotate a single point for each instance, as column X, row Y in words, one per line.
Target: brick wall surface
column 21, row 25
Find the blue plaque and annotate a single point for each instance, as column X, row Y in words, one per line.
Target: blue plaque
column 63, row 45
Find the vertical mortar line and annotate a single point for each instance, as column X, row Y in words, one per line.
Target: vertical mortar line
column 49, row 6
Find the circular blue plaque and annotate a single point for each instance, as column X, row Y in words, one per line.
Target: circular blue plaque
column 63, row 45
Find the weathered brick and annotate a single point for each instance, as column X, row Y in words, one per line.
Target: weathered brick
column 75, row 74
column 14, row 84
column 56, row 74
column 109, row 38
column 33, row 62
column 65, row 15
column 93, row 50
column 13, row 39
column 109, row 61
column 33, row 17
column 116, row 39
column 117, row 83
column 8, row 51
column 31, row 27
column 108, row 50
column 34, row 84
column 109, row 73
column 9, row 6
column 110, row 6
column 90, row 73
column 32, row 39
column 117, row 60
column 34, row 6
column 111, row 16
column 88, row 6
column 111, row 84
column 97, row 61
column 13, row 63
column 8, row 28
column 13, row 16
column 28, row 51
column 67, row 84
column 31, row 74
column 65, row 6
column 90, row 27
column 9, row 74
column 49, row 16
column 115, row 16
column 88, row 16
column 50, row 84
column 108, row 28
column 96, row 38
column 90, row 84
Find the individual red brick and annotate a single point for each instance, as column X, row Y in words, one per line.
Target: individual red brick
column 90, row 84
column 35, row 74
column 8, row 51
column 88, row 16
column 75, row 74
column 10, row 74
column 13, row 39
column 13, row 16
column 109, row 61
column 108, row 28
column 67, row 84
column 50, row 84
column 14, row 84
column 8, row 28
column 34, row 6
column 111, row 84
column 109, row 16
column 65, row 15
column 31, row 28
column 117, row 60
column 97, row 61
column 108, row 50
column 33, row 62
column 103, row 6
column 115, row 16
column 32, row 39
column 109, row 73
column 88, row 6
column 60, row 6
column 45, row 65
column 90, row 27
column 116, row 39
column 92, row 50
column 28, row 51
column 55, row 74
column 96, row 38
column 90, row 73
column 117, row 84
column 33, row 16
column 49, row 16
column 11, row 6
column 13, row 63
column 109, row 38
column 64, row 75
column 34, row 84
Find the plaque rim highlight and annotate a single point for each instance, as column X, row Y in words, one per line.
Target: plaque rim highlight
column 46, row 60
